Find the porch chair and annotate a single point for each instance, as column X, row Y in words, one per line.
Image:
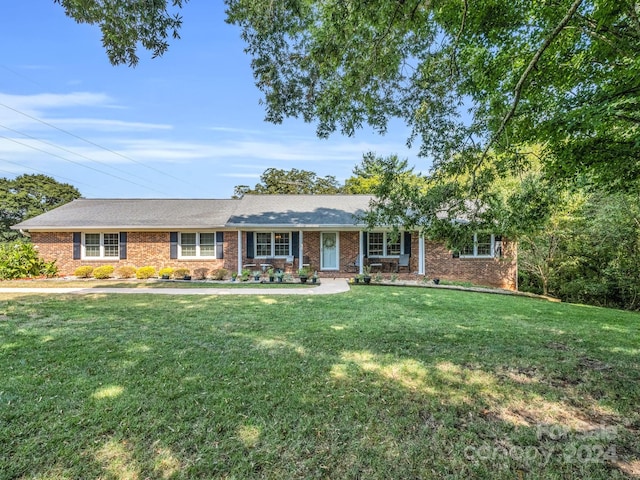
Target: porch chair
column 354, row 265
column 403, row 261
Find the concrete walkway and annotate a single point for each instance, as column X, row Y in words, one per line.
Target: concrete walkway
column 328, row 286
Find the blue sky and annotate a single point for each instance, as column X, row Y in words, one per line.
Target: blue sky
column 185, row 125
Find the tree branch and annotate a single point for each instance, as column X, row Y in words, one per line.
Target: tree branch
column 523, row 78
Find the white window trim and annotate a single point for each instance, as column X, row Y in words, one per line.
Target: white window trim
column 273, row 245
column 492, row 253
column 197, row 255
column 102, row 256
column 385, row 241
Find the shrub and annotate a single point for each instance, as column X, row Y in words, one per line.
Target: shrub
column 84, row 271
column 168, row 271
column 200, row 273
column 105, row 271
column 220, row 274
column 126, row 271
column 145, row 272
column 181, row 272
column 20, row 260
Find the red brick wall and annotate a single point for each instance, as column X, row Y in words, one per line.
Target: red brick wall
column 495, row 272
column 152, row 248
column 143, row 249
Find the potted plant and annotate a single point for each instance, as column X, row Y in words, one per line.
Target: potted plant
column 366, row 274
column 244, row 276
column 256, row 275
column 357, row 278
column 279, row 275
column 303, row 273
column 314, row 277
column 234, row 275
column 271, row 274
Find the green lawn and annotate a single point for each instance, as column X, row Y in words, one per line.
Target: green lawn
column 386, row 382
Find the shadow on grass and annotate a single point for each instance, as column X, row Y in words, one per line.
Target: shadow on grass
column 358, row 385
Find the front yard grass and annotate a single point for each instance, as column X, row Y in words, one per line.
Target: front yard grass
column 375, row 383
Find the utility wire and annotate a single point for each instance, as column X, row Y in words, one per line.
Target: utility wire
column 70, row 151
column 73, row 182
column 94, row 144
column 81, row 164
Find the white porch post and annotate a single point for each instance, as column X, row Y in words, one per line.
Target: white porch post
column 360, row 253
column 300, row 248
column 239, row 252
column 421, row 254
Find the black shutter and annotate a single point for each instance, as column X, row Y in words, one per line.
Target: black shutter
column 77, row 247
column 295, row 244
column 407, row 243
column 173, row 245
column 250, row 248
column 219, row 245
column 365, row 244
column 123, row 245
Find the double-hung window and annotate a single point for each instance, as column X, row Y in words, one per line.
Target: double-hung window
column 481, row 245
column 273, row 244
column 101, row 245
column 197, row 245
column 381, row 244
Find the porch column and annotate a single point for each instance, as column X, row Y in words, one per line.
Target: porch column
column 421, row 254
column 300, row 248
column 239, row 252
column 360, row 255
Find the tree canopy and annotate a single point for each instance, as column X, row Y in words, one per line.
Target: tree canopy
column 125, row 25
column 27, row 196
column 469, row 77
column 276, row 181
column 477, row 81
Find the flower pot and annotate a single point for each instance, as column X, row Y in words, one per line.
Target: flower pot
column 271, row 279
column 165, row 277
column 367, row 280
column 303, row 279
column 187, row 277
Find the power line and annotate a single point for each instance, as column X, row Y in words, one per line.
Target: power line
column 93, row 143
column 70, row 151
column 80, row 164
column 74, row 182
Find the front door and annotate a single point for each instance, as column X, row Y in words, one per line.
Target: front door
column 329, row 256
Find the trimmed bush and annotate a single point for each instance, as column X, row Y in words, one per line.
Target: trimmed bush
column 200, row 273
column 181, row 272
column 145, row 272
column 220, row 274
column 85, row 271
column 168, row 271
column 105, row 271
column 126, row 271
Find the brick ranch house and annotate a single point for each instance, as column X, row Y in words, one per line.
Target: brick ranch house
column 286, row 231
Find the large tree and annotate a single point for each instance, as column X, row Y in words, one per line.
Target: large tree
column 476, row 80
column 27, row 196
column 276, row 181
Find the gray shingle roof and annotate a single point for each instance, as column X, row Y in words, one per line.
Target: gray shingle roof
column 251, row 211
column 133, row 214
column 299, row 210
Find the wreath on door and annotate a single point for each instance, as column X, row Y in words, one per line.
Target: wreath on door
column 329, row 242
